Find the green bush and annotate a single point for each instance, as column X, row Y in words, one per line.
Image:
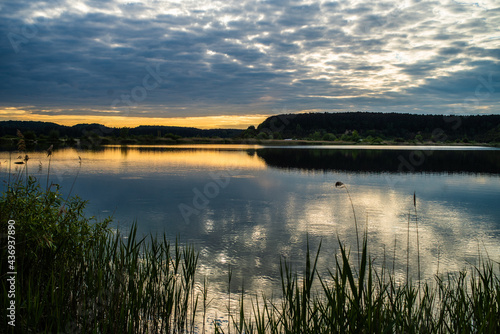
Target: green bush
column 329, row 137
column 49, row 230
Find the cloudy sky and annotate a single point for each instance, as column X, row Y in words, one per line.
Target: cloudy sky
column 232, row 63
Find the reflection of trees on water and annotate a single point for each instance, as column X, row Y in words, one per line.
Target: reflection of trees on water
column 393, row 161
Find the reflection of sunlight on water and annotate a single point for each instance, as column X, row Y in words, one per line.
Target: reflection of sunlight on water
column 387, row 212
column 120, row 159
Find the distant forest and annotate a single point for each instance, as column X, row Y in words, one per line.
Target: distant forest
column 351, row 127
column 97, row 134
column 379, row 127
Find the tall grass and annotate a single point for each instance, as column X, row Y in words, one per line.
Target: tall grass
column 75, row 275
column 368, row 300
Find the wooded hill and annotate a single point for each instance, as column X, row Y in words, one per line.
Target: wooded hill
column 366, row 126
column 9, row 128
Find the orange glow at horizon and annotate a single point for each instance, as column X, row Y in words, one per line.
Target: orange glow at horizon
column 200, row 122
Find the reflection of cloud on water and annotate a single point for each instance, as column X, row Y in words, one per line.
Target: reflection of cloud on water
column 253, row 247
column 456, row 232
column 289, row 206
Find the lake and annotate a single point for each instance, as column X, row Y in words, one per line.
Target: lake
column 246, row 207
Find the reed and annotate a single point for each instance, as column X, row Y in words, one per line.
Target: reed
column 339, row 184
column 364, row 300
column 418, row 239
column 49, row 155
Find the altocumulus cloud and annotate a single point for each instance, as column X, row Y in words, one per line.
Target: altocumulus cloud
column 243, row 57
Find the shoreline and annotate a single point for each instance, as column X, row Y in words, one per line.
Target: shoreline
column 10, row 143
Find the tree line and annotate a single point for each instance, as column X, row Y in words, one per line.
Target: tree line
column 34, row 130
column 378, row 127
column 354, row 127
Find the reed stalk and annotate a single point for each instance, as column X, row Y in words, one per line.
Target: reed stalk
column 49, row 155
column 418, row 240
column 339, row 184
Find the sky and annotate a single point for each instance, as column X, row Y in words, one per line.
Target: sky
column 231, row 64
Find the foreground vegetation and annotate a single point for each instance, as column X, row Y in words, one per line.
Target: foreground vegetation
column 75, row 275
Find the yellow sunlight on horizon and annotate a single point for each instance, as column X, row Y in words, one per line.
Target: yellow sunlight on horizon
column 201, row 122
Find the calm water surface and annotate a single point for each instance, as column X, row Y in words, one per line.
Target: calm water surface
column 247, row 207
